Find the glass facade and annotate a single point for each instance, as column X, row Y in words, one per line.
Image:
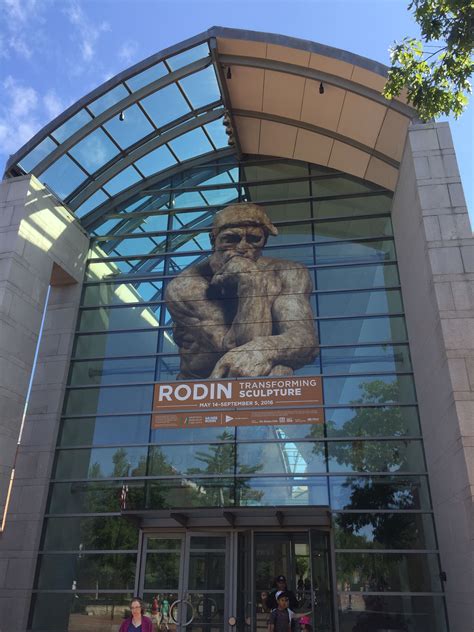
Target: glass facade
column 366, row 462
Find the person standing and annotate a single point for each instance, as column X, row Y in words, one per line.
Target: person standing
column 280, row 617
column 280, row 585
column 137, row 622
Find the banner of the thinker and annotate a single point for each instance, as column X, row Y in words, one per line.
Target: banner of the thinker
column 238, row 313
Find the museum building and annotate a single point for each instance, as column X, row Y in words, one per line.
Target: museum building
column 363, row 498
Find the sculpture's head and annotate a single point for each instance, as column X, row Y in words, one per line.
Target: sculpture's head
column 240, row 230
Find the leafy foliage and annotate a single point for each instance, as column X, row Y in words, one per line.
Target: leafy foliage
column 437, row 82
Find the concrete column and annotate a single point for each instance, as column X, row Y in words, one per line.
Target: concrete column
column 41, row 244
column 435, row 249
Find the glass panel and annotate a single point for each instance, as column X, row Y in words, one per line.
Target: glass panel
column 293, row 234
column 105, row 430
column 86, row 571
column 358, row 330
column 98, row 497
column 120, row 293
column 106, row 270
column 321, row 584
column 123, row 180
column 193, row 460
column 282, row 491
column 108, row 99
column 358, row 277
column 73, row 612
column 268, row 433
column 147, row 76
column 188, row 56
column 193, row 143
column 219, row 492
column 63, row 176
column 366, row 359
column 375, row 204
column 383, row 389
column 343, row 185
column 293, row 210
column 165, row 105
column 281, row 458
column 36, row 155
column 94, row 200
column 136, row 317
column 397, row 572
column 278, row 191
column 129, row 128
column 112, row 371
column 385, row 612
column 375, row 456
column 206, row 570
column 162, row 570
column 157, row 160
column 116, row 344
column 379, row 492
column 276, row 170
column 71, row 126
column 133, row 399
column 201, row 87
column 353, row 229
column 375, row 421
column 101, row 463
column 384, row 531
column 94, row 151
column 193, row 435
column 217, row 133
column 351, row 303
column 88, row 534
column 355, row 251
column 208, row 611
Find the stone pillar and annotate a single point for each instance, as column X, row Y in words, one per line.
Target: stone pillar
column 41, row 244
column 435, row 249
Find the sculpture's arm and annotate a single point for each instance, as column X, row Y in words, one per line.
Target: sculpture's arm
column 198, row 324
column 294, row 342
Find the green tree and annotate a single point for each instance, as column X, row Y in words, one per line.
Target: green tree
column 437, row 81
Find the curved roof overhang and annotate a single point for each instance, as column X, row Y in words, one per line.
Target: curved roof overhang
column 285, row 97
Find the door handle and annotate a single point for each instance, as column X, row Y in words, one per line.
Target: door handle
column 175, row 604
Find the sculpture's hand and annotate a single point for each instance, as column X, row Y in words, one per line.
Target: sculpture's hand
column 245, row 361
column 233, row 271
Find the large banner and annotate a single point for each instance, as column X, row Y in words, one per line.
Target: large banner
column 282, row 400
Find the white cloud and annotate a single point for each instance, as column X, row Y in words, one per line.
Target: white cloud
column 18, row 16
column 23, row 112
column 88, row 32
column 128, row 51
column 53, row 104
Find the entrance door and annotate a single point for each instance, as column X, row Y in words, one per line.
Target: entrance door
column 304, row 559
column 186, row 577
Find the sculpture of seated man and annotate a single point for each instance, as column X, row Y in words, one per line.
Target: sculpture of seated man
column 239, row 314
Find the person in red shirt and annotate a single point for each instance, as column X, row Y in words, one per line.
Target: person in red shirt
column 137, row 622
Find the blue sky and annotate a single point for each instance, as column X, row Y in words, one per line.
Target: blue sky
column 52, row 52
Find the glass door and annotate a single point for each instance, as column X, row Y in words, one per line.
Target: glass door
column 184, row 579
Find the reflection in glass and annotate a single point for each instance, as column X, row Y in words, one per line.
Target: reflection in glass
column 72, row 611
column 123, row 430
column 379, row 492
column 375, row 456
column 410, row 613
column 355, row 303
column 384, row 531
column 88, row 534
column 89, row 571
column 63, row 176
column 364, row 276
column 378, row 421
column 381, row 572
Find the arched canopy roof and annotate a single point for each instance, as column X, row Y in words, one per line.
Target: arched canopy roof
column 285, row 97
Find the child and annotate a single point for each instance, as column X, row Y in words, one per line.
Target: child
column 280, row 617
column 305, row 624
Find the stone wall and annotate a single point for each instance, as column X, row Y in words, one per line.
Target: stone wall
column 435, row 250
column 41, row 245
